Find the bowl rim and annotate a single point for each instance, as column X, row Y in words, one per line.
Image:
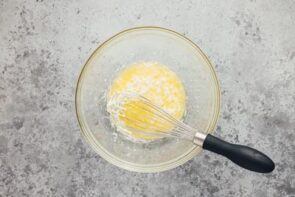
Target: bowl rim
column 101, row 151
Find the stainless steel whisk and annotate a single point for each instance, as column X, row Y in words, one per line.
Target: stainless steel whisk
column 148, row 119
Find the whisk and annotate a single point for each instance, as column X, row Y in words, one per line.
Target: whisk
column 138, row 115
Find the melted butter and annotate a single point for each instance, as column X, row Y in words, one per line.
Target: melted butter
column 157, row 83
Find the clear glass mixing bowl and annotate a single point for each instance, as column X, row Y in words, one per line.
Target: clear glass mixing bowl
column 146, row 44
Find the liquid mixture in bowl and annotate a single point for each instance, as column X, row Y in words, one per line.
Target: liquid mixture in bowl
column 155, row 82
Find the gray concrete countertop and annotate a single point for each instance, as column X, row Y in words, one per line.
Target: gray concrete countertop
column 44, row 45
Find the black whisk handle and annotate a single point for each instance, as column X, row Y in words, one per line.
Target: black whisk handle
column 244, row 156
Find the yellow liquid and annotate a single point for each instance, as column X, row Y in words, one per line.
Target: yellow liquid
column 157, row 83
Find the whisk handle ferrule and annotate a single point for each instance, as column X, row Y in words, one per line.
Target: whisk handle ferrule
column 199, row 138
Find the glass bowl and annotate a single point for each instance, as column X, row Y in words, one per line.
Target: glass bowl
column 146, row 44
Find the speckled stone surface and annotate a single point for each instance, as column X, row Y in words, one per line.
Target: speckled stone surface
column 44, row 45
